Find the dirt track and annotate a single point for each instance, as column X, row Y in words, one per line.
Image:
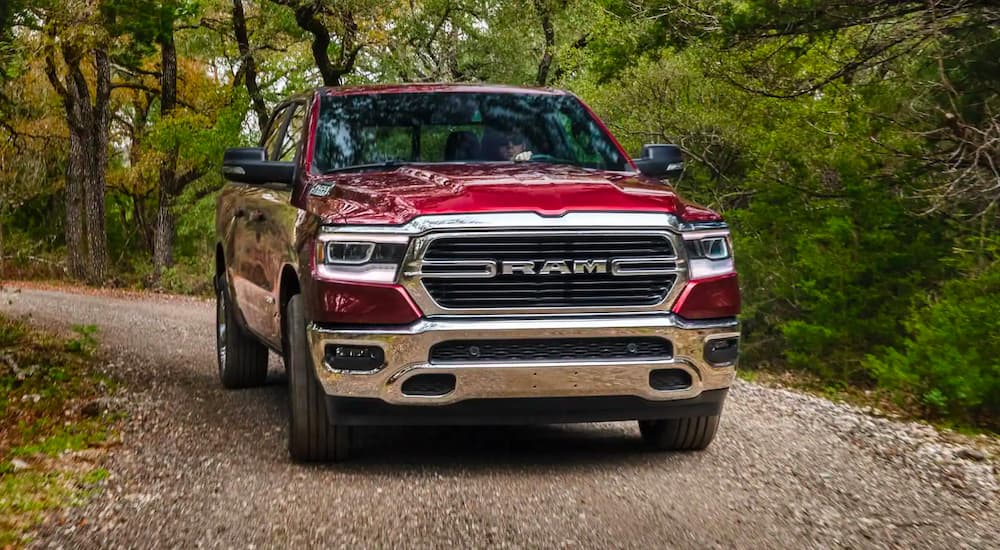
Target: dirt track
column 201, row 466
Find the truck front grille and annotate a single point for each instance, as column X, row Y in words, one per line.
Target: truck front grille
column 553, row 290
column 549, row 349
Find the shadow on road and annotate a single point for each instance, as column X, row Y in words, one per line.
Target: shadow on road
column 490, row 447
column 485, row 447
column 444, row 448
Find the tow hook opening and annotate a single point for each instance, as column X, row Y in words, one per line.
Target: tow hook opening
column 669, row 379
column 429, row 385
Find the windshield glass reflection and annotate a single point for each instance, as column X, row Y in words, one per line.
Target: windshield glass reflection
column 385, row 129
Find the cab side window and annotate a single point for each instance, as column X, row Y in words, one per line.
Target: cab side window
column 273, row 135
column 293, row 135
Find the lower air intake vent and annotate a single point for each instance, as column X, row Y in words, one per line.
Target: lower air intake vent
column 551, row 349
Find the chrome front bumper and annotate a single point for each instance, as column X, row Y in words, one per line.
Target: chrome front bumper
column 407, row 351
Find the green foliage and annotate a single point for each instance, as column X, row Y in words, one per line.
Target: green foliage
column 25, row 496
column 61, row 439
column 835, row 253
column 85, row 341
column 43, row 380
column 10, row 334
column 851, row 278
column 950, row 357
column 189, row 276
column 196, row 227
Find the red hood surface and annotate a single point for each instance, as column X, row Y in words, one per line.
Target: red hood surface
column 398, row 195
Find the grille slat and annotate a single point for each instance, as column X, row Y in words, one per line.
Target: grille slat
column 550, row 349
column 471, row 302
column 552, row 290
column 519, row 288
column 513, row 295
column 561, row 254
column 636, row 282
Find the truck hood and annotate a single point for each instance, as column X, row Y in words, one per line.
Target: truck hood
column 396, row 196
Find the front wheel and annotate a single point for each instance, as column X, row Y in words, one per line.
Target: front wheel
column 312, row 437
column 242, row 358
column 679, row 434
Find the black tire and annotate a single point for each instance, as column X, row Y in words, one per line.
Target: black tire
column 241, row 357
column 312, row 437
column 679, row 434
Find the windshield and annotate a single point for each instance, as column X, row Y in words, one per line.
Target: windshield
column 358, row 131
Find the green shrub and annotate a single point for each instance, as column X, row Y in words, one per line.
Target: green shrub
column 189, row 276
column 86, row 340
column 950, row 359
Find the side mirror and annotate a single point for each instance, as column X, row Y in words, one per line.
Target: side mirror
column 248, row 165
column 660, row 161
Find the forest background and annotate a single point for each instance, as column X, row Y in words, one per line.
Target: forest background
column 853, row 145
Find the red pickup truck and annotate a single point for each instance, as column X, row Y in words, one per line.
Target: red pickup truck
column 466, row 254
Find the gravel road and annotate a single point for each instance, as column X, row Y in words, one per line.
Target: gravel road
column 200, row 466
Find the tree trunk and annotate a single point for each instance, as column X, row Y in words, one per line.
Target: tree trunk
column 75, row 251
column 307, row 18
column 93, row 199
column 163, row 239
column 140, row 216
column 95, row 184
column 545, row 15
column 248, row 64
column 89, row 122
column 143, row 225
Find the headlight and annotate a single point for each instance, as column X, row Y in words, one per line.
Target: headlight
column 360, row 253
column 351, row 253
column 372, row 258
column 710, row 253
column 708, row 248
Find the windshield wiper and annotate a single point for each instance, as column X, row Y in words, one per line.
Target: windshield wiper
column 373, row 166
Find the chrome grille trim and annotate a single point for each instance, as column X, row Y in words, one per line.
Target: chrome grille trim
column 634, row 274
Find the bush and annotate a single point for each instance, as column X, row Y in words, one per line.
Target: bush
column 189, row 276
column 950, row 359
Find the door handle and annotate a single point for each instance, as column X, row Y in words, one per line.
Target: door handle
column 239, row 213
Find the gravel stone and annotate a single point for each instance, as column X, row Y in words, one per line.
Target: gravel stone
column 971, row 454
column 199, row 466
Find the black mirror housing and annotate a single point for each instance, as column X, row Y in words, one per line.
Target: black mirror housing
column 660, row 161
column 250, row 165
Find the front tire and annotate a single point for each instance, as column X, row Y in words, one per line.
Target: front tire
column 679, row 434
column 312, row 437
column 242, row 358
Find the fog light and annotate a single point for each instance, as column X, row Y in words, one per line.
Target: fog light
column 354, row 358
column 722, row 351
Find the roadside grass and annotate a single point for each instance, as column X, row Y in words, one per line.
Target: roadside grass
column 191, row 275
column 55, row 425
column 873, row 400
